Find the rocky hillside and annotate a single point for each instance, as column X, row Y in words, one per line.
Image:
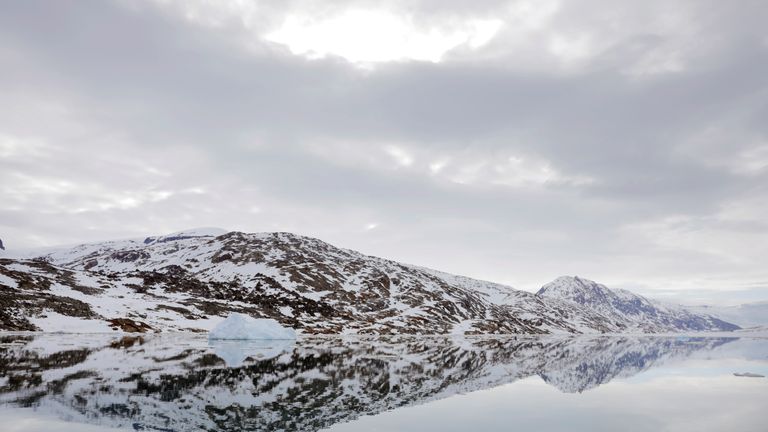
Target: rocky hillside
column 635, row 312
column 190, row 280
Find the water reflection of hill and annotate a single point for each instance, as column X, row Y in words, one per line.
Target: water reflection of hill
column 185, row 384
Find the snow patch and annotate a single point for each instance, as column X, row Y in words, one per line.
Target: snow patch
column 7, row 281
column 463, row 327
column 55, row 322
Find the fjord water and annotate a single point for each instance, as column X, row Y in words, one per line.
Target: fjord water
column 545, row 383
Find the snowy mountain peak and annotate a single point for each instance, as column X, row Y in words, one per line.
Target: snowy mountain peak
column 187, row 234
column 576, row 289
column 628, row 308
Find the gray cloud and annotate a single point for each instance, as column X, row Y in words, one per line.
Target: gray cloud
column 625, row 143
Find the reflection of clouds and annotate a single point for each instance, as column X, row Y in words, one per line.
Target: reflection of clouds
column 674, row 401
column 235, row 352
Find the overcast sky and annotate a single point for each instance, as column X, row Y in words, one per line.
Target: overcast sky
column 625, row 142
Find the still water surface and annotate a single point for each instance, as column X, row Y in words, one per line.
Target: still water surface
column 185, row 383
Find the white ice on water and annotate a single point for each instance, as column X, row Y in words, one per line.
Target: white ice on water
column 235, row 352
column 242, row 327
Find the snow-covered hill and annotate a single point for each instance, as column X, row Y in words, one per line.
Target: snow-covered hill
column 189, row 281
column 635, row 312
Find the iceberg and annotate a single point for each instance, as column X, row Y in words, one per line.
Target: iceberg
column 242, row 327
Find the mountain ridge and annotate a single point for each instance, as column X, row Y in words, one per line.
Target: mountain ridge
column 633, row 309
column 190, row 280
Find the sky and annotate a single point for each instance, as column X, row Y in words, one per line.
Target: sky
column 512, row 141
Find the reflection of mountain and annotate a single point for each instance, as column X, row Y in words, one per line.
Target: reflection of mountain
column 578, row 368
column 181, row 384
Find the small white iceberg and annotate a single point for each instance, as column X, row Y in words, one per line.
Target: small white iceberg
column 242, row 327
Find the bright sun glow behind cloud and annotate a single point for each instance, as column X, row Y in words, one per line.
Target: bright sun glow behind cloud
column 362, row 37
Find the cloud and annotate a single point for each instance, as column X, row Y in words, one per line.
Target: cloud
column 508, row 140
column 371, row 36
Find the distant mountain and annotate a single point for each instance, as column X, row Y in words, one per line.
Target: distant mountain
column 745, row 315
column 634, row 311
column 190, row 280
column 1, row 245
